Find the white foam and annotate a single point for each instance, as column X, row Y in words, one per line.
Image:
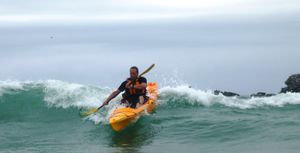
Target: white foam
column 97, row 118
column 6, row 86
column 63, row 94
column 207, row 98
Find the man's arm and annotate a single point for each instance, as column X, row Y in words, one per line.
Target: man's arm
column 115, row 93
column 111, row 96
column 140, row 86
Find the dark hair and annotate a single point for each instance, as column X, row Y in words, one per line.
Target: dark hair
column 134, row 67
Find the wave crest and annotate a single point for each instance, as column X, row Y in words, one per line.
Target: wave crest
column 189, row 96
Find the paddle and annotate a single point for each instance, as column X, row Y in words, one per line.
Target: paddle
column 147, row 70
column 94, row 110
column 91, row 111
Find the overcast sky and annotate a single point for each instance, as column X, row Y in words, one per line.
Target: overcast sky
column 242, row 46
column 116, row 10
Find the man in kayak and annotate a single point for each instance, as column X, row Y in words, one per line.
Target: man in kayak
column 135, row 90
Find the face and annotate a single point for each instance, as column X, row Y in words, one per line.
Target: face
column 133, row 73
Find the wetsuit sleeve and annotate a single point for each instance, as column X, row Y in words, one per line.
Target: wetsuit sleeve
column 122, row 86
column 143, row 80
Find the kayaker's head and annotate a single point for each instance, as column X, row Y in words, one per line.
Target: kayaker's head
column 134, row 72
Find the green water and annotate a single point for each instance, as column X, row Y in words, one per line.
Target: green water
column 44, row 117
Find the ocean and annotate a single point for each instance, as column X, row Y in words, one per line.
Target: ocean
column 51, row 71
column 43, row 116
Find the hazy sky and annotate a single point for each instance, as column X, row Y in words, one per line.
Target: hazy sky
column 117, row 10
column 242, row 46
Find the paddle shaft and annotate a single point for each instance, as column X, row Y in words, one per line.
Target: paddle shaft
column 100, row 107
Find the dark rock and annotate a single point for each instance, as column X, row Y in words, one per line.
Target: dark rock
column 262, row 94
column 270, row 94
column 225, row 93
column 259, row 94
column 293, row 84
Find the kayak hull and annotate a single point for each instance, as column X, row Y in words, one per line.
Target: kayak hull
column 121, row 117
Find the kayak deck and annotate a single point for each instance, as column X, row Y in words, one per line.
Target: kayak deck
column 121, row 117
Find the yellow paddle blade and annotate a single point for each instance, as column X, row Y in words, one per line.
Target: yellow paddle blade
column 89, row 112
column 147, row 70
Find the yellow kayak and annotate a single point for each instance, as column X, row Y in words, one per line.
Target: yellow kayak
column 121, row 117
